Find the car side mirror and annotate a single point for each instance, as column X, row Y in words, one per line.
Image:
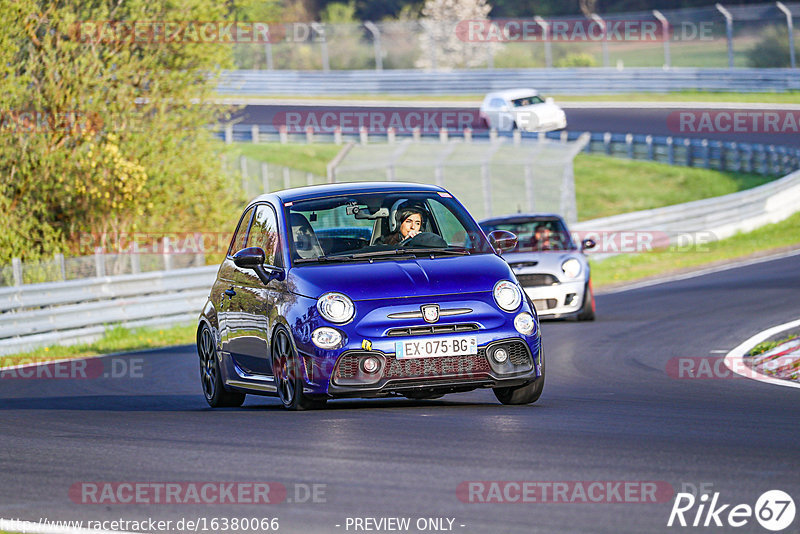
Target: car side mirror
column 253, row 258
column 502, row 241
column 587, row 244
column 549, row 100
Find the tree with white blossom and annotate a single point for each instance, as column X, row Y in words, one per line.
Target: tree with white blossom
column 443, row 44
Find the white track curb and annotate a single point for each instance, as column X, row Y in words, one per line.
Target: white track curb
column 734, row 359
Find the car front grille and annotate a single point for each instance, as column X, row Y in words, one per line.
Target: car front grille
column 445, row 366
column 537, row 279
column 544, row 304
column 432, row 329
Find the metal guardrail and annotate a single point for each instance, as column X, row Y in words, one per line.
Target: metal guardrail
column 773, row 160
column 590, row 80
column 66, row 312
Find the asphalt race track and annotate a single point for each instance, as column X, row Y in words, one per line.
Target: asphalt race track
column 602, row 118
column 609, row 412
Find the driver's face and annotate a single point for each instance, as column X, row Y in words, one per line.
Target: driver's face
column 543, row 236
column 411, row 225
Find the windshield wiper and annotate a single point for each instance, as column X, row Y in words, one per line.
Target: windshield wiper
column 379, row 253
column 451, row 251
column 323, row 259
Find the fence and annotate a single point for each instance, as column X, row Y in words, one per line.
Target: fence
column 700, row 37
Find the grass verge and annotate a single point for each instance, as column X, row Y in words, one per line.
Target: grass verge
column 117, row 339
column 630, row 267
column 309, row 158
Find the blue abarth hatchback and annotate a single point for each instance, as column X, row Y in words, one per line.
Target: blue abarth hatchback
column 366, row 290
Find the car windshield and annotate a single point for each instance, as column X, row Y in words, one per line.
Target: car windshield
column 526, row 101
column 385, row 225
column 536, row 234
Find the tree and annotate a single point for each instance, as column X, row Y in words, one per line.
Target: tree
column 445, row 47
column 103, row 133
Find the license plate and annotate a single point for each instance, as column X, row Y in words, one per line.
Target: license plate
column 435, row 347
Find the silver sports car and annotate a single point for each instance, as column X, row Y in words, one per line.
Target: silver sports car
column 549, row 265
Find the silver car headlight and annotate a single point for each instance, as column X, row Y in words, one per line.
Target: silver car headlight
column 571, row 268
column 507, row 295
column 336, row 307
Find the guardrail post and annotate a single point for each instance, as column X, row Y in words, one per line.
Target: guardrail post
column 517, row 136
column 265, row 176
column 16, row 270
column 670, row 150
column 323, row 48
column 728, row 31
column 228, row 134
column 773, row 159
column 136, row 266
column 688, row 144
column 283, row 134
column 390, row 173
column 528, row 173
column 737, row 157
column 629, row 145
column 99, row 262
column 486, row 181
column 243, row 170
column 287, row 178
column 541, row 137
column 166, row 254
column 309, row 178
column 492, row 135
column 564, row 137
column 588, row 147
column 443, row 135
column 722, row 154
column 310, row 135
column 390, row 135
column 607, row 142
column 416, row 134
column 363, row 135
column 790, row 27
column 439, row 174
column 706, row 153
column 467, row 135
column 650, row 152
column 62, row 265
column 254, row 135
column 337, row 135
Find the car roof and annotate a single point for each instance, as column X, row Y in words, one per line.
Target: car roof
column 517, row 218
column 347, row 188
column 512, row 94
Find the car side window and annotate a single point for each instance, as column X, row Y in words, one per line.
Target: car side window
column 264, row 234
column 240, row 237
column 451, row 229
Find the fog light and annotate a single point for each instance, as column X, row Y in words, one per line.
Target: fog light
column 327, row 338
column 370, row 365
column 524, row 323
column 569, row 300
column 500, row 355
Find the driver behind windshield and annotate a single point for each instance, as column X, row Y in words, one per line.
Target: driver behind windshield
column 409, row 220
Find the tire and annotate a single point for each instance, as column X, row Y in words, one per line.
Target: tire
column 586, row 312
column 525, row 394
column 210, row 378
column 289, row 375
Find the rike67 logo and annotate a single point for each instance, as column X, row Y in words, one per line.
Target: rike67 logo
column 774, row 510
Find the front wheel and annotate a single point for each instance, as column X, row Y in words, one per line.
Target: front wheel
column 213, row 389
column 525, row 394
column 289, row 375
column 586, row 312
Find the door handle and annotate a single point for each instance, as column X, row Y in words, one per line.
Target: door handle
column 230, row 292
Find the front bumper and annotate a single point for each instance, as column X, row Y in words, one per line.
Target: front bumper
column 556, row 301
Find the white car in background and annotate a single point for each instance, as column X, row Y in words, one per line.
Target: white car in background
column 522, row 109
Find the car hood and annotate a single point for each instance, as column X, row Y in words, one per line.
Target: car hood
column 385, row 279
column 542, row 262
column 543, row 109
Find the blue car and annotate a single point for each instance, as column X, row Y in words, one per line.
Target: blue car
column 366, row 290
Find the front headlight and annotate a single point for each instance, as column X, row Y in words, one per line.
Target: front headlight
column 507, row 295
column 336, row 308
column 524, row 323
column 571, row 268
column 326, row 337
